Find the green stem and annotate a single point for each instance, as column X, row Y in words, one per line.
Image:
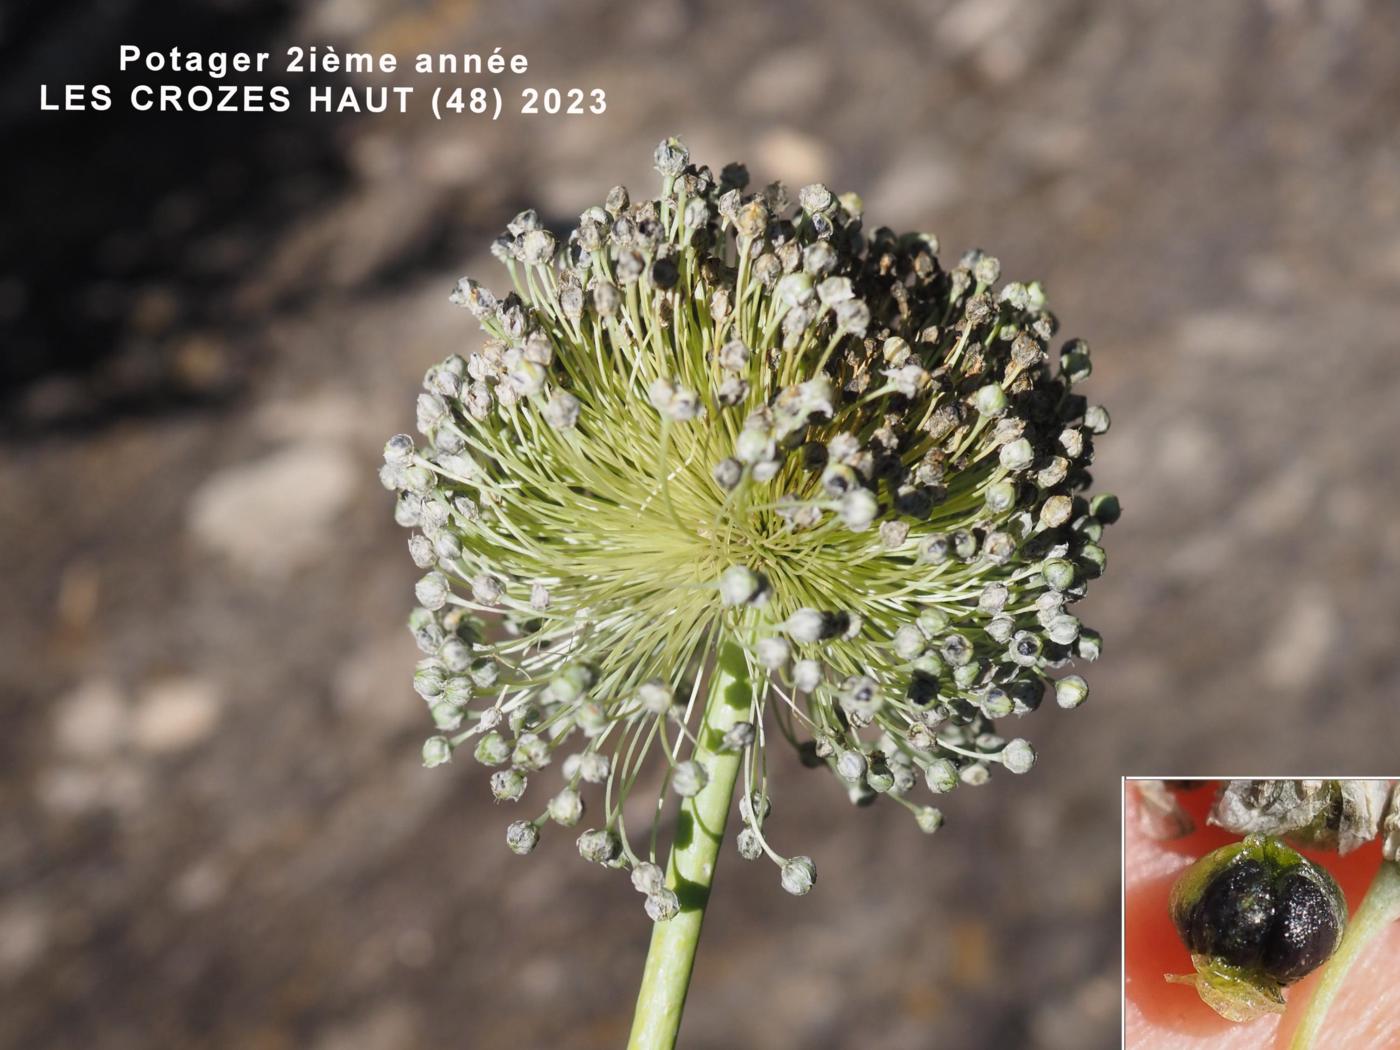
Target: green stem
column 1379, row 908
column 699, row 833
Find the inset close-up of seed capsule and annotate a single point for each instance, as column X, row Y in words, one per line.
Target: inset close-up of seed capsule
column 1284, row 937
column 1256, row 916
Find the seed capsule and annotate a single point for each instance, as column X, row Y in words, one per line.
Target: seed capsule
column 798, row 875
column 749, row 845
column 522, row 837
column 648, row 878
column 662, row 905
column 1256, row 916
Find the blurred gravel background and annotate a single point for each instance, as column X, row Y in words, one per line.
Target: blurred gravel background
column 215, row 830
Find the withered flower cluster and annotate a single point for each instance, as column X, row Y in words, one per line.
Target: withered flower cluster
column 730, row 418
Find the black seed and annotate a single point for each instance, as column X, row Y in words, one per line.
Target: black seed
column 664, row 273
column 1232, row 920
column 1305, row 932
column 1026, row 694
column 923, row 688
column 957, row 710
column 835, row 623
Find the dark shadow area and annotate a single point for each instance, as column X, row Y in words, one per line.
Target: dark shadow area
column 692, row 895
column 685, row 830
column 116, row 270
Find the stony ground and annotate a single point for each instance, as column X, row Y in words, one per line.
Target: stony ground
column 216, row 832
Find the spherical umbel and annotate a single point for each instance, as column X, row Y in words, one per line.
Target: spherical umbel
column 732, row 418
column 1256, row 916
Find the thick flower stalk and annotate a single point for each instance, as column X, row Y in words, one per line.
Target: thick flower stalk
column 721, row 422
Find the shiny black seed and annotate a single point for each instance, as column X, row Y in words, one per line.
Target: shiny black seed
column 1026, row 695
column 1233, row 919
column 913, row 501
column 923, row 688
column 835, row 623
column 956, row 710
column 1305, row 931
column 664, row 273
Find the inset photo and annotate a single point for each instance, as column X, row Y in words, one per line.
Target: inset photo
column 1261, row 914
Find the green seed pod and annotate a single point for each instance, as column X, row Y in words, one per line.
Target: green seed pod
column 1256, row 916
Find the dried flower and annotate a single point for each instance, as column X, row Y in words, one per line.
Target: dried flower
column 1390, row 827
column 1325, row 814
column 1160, row 813
column 709, row 419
